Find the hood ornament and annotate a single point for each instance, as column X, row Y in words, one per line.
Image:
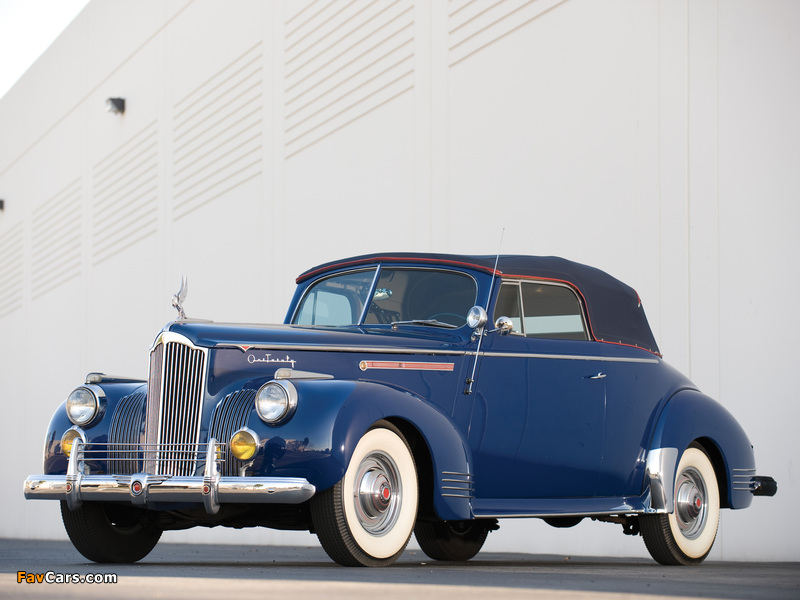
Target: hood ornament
column 180, row 297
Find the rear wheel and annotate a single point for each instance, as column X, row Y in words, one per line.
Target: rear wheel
column 366, row 519
column 110, row 533
column 685, row 537
column 452, row 540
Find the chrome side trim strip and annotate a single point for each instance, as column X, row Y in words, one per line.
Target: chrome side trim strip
column 366, row 349
column 462, row 489
column 392, row 365
column 743, row 480
column 429, row 351
column 573, row 357
column 558, row 514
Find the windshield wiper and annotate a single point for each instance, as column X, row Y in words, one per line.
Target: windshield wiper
column 429, row 322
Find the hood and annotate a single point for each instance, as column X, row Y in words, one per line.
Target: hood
column 211, row 335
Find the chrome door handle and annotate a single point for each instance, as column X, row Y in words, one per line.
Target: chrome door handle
column 598, row 376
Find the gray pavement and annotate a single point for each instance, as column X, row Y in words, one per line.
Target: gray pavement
column 179, row 571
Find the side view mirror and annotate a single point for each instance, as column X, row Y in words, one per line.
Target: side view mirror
column 477, row 317
column 504, row 325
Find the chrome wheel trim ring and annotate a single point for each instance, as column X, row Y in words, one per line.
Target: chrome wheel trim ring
column 691, row 503
column 377, row 494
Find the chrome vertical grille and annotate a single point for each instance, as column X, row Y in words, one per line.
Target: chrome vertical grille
column 123, row 435
column 153, row 407
column 229, row 416
column 174, row 405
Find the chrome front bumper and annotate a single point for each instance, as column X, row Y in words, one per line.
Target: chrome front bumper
column 143, row 489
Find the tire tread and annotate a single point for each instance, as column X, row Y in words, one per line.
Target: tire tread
column 658, row 535
column 438, row 542
column 98, row 540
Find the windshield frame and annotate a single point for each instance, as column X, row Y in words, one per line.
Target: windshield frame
column 315, row 282
column 376, row 278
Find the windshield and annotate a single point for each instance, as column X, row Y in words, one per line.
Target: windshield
column 336, row 301
column 421, row 295
column 401, row 295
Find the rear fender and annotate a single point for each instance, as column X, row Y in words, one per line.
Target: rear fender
column 690, row 416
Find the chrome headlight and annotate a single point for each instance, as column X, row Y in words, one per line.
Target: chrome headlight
column 477, row 317
column 276, row 401
column 83, row 404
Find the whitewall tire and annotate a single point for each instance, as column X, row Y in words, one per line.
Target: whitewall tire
column 367, row 518
column 685, row 536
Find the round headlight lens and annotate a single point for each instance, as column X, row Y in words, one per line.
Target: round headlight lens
column 67, row 440
column 82, row 406
column 244, row 444
column 276, row 401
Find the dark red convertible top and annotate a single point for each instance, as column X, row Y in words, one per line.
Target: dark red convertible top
column 614, row 309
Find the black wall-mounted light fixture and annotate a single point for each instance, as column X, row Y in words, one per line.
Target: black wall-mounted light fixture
column 115, row 105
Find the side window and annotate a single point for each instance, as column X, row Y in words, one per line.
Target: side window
column 335, row 301
column 508, row 305
column 552, row 311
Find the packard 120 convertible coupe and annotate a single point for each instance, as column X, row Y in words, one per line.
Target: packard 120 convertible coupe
column 391, row 401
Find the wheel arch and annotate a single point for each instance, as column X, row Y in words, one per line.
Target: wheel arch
column 424, row 462
column 692, row 417
column 714, row 454
column 436, row 444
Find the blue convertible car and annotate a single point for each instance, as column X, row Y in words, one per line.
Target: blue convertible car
column 422, row 393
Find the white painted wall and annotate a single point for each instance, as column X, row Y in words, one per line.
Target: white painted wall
column 655, row 140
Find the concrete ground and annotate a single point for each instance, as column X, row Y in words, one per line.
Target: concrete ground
column 178, row 571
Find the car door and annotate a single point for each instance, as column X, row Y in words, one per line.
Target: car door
column 637, row 383
column 537, row 415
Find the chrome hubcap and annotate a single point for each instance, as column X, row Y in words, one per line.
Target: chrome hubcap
column 377, row 493
column 691, row 503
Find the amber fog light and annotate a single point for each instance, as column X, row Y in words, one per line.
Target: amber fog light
column 67, row 440
column 244, row 444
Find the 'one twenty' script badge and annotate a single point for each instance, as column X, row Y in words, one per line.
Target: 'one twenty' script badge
column 268, row 359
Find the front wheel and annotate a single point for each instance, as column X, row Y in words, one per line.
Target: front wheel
column 452, row 540
column 685, row 537
column 366, row 519
column 110, row 533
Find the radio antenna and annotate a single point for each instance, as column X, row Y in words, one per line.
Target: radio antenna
column 494, row 273
column 481, row 331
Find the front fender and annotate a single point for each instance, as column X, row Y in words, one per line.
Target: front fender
column 450, row 456
column 55, row 462
column 691, row 416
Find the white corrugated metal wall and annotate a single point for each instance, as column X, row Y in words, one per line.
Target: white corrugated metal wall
column 655, row 140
